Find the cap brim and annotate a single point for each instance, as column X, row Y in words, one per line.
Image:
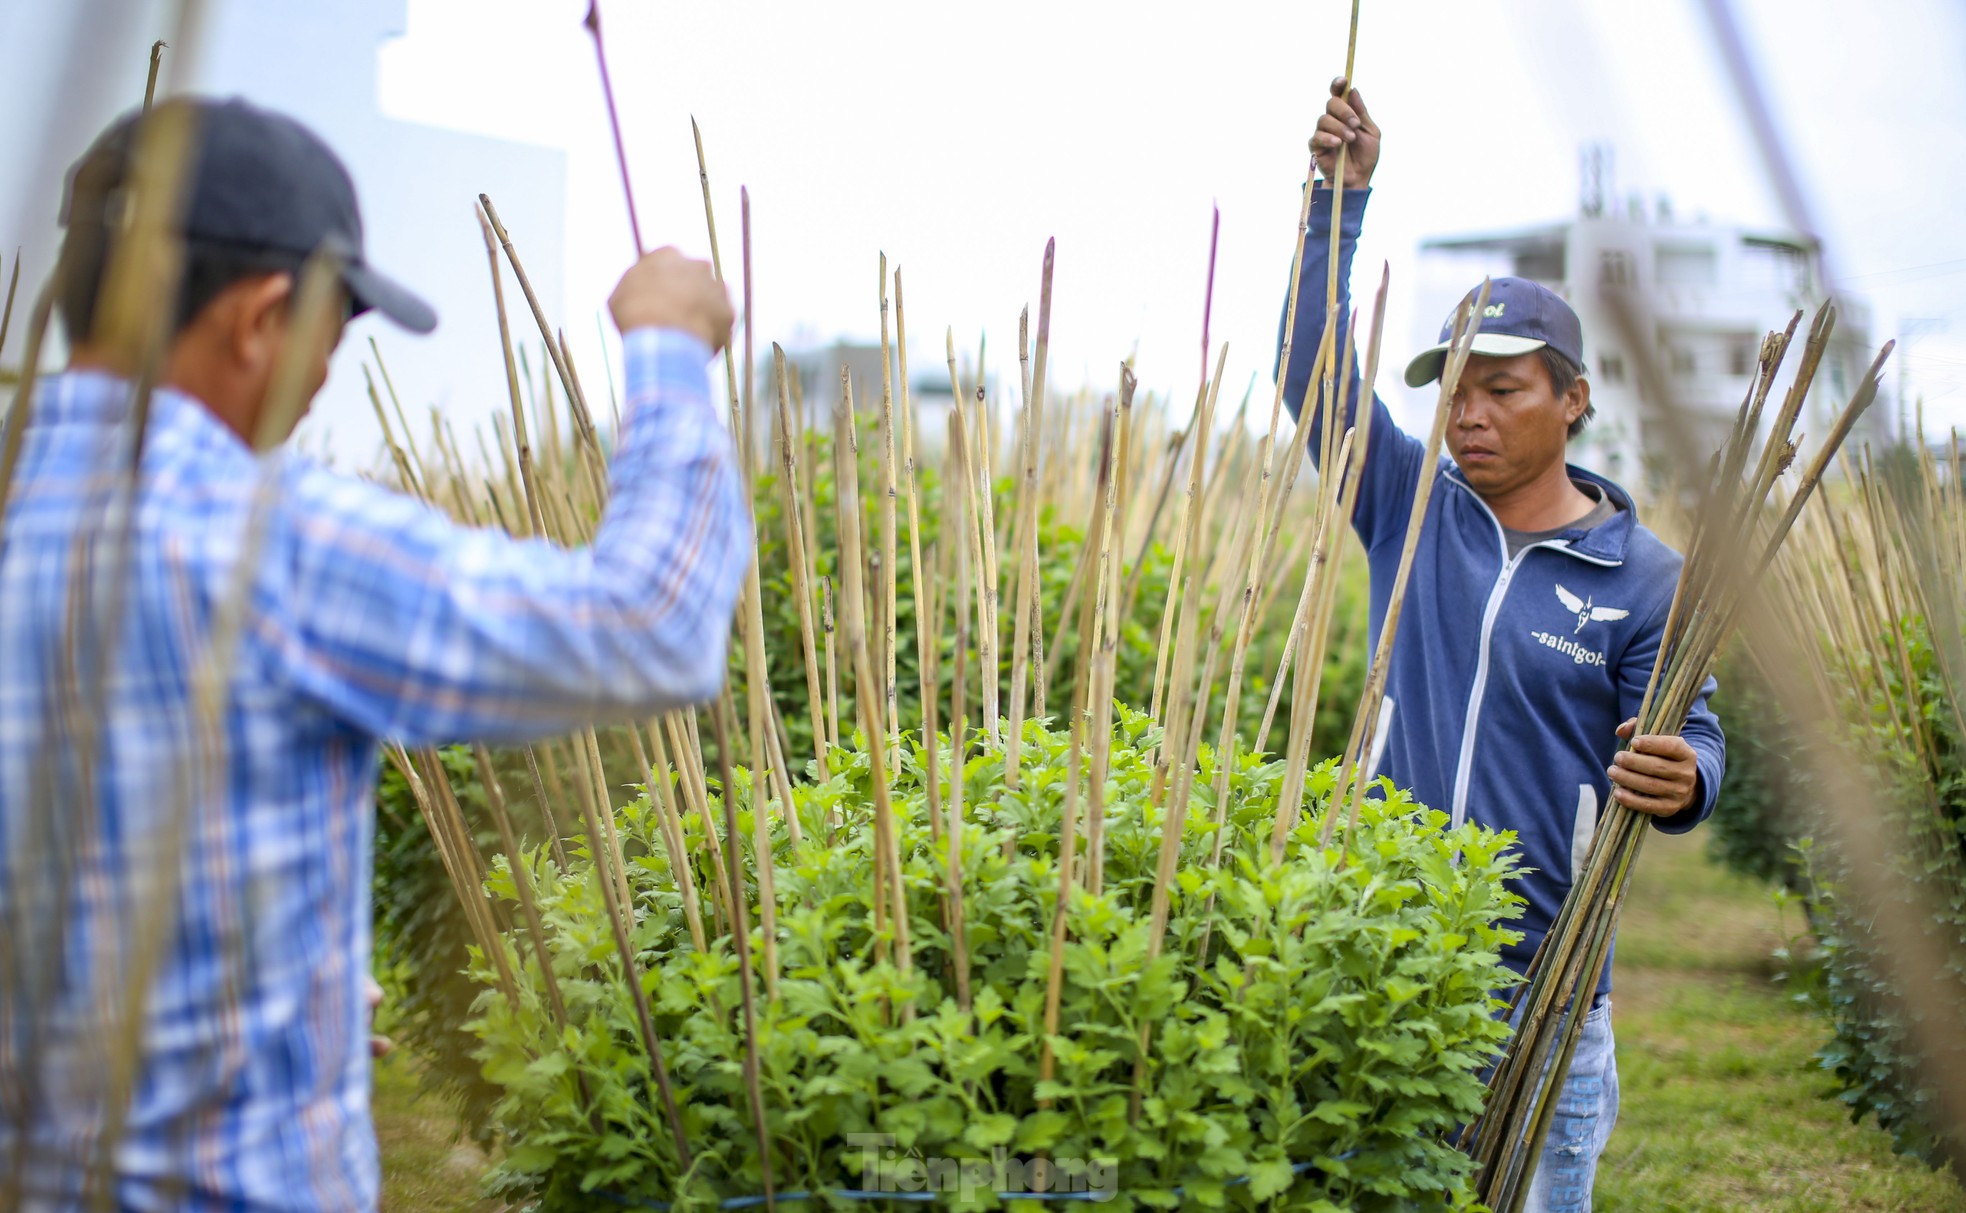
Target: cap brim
column 1427, row 365
column 372, row 289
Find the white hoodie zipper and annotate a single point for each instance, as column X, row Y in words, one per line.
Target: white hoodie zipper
column 1464, row 767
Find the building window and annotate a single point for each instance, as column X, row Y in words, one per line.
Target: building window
column 1743, row 352
column 1540, row 264
column 1775, row 264
column 1615, row 268
column 1686, row 265
column 1680, row 358
column 1611, row 368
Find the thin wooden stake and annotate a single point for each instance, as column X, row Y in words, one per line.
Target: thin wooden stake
column 958, row 717
column 593, row 24
column 1028, row 617
column 741, row 939
column 800, row 560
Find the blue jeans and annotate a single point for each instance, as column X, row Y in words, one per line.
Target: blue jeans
column 1585, row 1112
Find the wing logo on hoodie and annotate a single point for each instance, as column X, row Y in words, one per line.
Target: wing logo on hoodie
column 1586, row 610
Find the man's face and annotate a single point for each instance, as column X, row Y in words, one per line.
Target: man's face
column 1507, row 426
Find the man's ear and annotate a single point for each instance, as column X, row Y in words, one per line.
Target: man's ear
column 1576, row 401
column 255, row 317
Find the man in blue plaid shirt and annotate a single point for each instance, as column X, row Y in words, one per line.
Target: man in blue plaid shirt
column 184, row 928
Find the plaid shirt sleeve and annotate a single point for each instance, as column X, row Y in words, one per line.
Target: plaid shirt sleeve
column 415, row 628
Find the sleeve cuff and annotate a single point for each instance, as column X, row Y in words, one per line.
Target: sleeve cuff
column 1354, row 218
column 663, row 345
column 1690, row 816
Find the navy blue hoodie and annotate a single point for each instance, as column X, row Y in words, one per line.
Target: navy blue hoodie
column 1509, row 678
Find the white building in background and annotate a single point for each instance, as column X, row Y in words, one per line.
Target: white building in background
column 1710, row 292
column 82, row 63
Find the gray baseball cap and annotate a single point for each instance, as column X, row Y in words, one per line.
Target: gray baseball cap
column 262, row 182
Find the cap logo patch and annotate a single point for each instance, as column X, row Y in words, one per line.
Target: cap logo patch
column 1493, row 309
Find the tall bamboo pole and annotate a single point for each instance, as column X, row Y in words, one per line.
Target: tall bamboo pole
column 888, row 490
column 1027, row 614
column 800, row 558
column 741, row 940
column 952, row 832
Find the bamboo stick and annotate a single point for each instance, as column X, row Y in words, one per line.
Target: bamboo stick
column 1320, row 583
column 662, row 801
column 405, row 473
column 466, row 882
column 593, row 24
column 521, row 884
column 619, row 912
column 521, row 438
column 889, row 689
column 1105, row 662
column 741, row 941
column 989, row 545
column 832, row 662
column 1320, row 572
column 1186, row 529
column 1096, row 542
column 757, row 678
column 927, row 638
column 1190, row 708
column 1331, row 253
column 802, row 574
column 891, row 892
column 546, row 807
column 150, row 81
column 7, row 311
column 958, row 714
column 1028, row 614
column 696, row 793
column 976, row 502
column 583, row 424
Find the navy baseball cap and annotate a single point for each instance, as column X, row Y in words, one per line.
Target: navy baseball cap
column 1521, row 316
column 262, row 183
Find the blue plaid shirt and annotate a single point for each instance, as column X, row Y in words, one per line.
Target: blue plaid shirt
column 369, row 616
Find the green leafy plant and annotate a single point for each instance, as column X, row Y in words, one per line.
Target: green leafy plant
column 1763, row 807
column 1876, row 1072
column 1316, row 1025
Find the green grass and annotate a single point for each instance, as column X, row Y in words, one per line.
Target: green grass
column 427, row 1166
column 1722, row 1107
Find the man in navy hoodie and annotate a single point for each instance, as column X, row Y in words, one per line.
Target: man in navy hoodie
column 1532, row 619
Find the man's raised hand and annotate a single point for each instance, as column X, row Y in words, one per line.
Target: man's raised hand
column 1345, row 123
column 667, row 290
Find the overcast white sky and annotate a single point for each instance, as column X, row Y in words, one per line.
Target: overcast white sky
column 957, row 138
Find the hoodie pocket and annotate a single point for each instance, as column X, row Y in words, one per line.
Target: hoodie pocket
column 1582, row 829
